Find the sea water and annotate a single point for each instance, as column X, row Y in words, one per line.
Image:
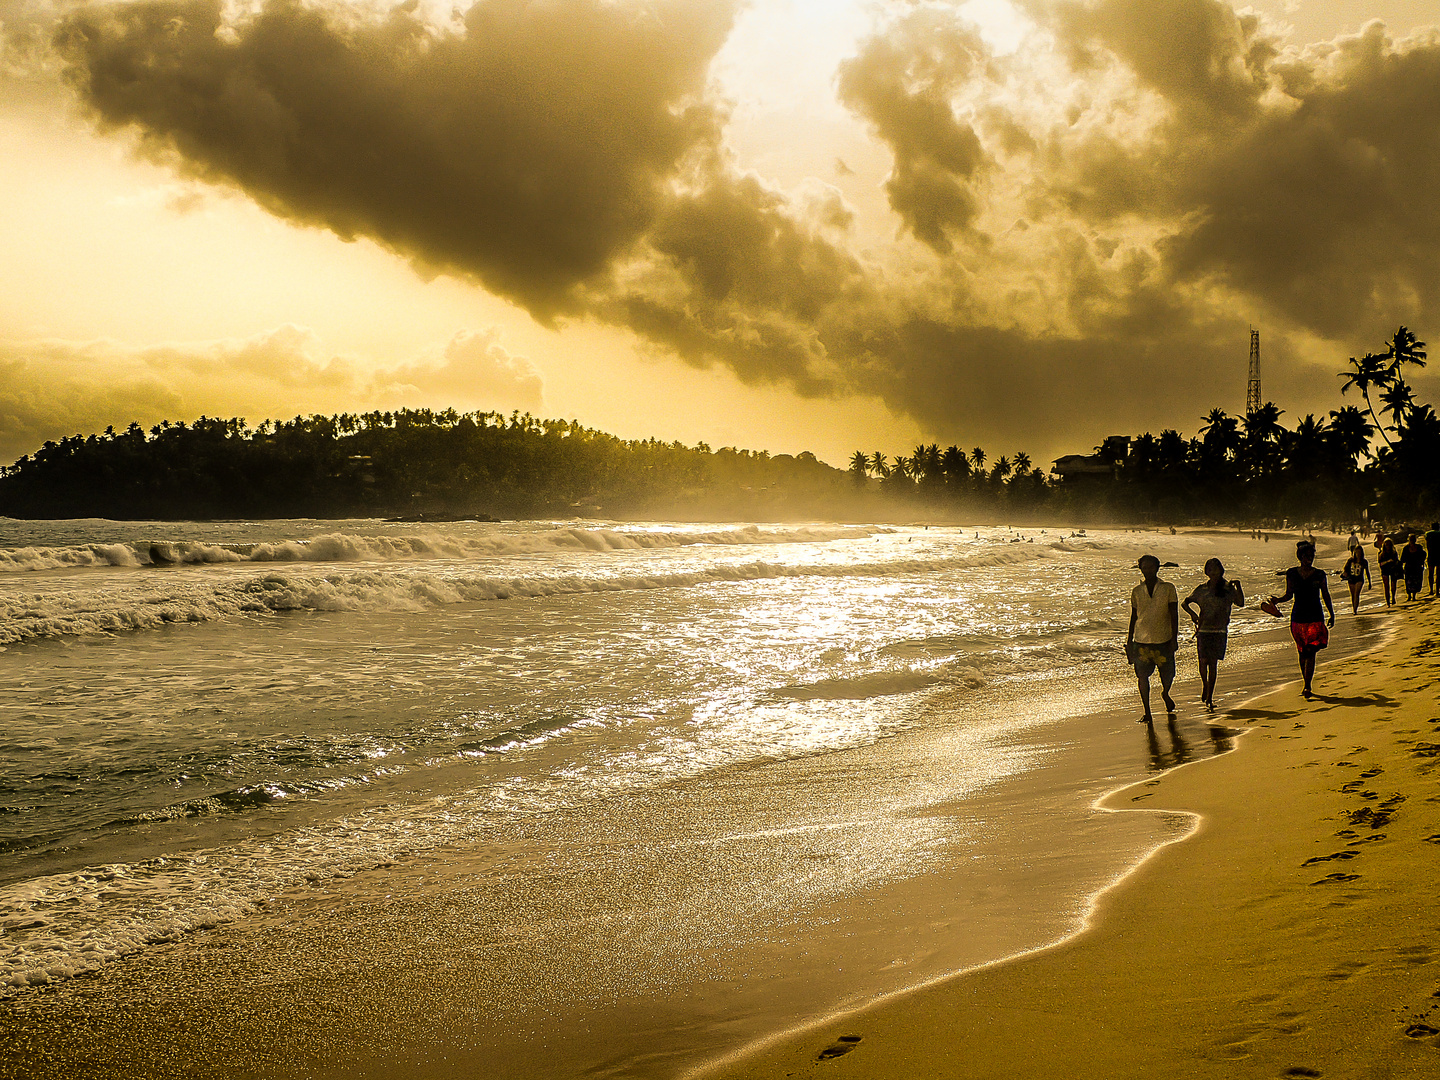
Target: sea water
column 197, row 718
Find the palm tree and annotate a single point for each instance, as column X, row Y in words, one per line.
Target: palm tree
column 859, row 467
column 954, row 464
column 879, row 465
column 977, row 458
column 1404, row 348
column 1398, row 399
column 1022, row 463
column 1350, row 433
column 1002, row 467
column 1370, row 372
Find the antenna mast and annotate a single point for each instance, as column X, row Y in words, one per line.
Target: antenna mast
column 1252, row 393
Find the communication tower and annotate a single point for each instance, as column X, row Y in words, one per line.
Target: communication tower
column 1252, row 393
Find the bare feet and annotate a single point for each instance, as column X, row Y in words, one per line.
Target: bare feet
column 1169, row 701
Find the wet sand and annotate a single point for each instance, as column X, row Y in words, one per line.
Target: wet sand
column 1295, row 933
column 694, row 919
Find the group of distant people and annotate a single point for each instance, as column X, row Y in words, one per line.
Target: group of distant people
column 1155, row 609
column 1408, row 563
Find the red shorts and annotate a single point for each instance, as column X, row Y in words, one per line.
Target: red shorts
column 1310, row 636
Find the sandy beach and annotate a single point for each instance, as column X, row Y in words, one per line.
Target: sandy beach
column 1294, row 932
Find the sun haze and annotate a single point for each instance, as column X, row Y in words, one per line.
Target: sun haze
column 784, row 224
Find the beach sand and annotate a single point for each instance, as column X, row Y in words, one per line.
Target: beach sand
column 1294, row 933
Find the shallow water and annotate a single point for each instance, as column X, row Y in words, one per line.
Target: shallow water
column 284, row 704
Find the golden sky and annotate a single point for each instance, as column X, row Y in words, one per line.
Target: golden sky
column 782, row 224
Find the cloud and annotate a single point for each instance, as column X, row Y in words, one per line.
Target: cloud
column 904, row 83
column 1087, row 225
column 471, row 367
column 526, row 146
column 51, row 389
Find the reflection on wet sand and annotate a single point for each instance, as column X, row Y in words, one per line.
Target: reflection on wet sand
column 1180, row 751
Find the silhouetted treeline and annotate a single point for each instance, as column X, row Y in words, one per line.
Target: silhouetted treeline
column 419, row 462
column 399, row 463
column 1249, row 468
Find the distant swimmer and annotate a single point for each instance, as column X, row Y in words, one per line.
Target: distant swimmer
column 1306, row 585
column 1154, row 628
column 1212, row 602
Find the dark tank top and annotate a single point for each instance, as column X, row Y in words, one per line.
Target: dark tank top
column 1307, row 595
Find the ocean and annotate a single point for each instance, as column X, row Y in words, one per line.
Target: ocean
column 718, row 776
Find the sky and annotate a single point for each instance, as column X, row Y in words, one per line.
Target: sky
column 786, row 225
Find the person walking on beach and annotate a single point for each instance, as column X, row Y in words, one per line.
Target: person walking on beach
column 1154, row 628
column 1412, row 562
column 1432, row 556
column 1389, row 569
column 1211, row 615
column 1353, row 542
column 1355, row 574
column 1306, row 585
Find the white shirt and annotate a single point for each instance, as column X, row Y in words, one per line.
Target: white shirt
column 1152, row 613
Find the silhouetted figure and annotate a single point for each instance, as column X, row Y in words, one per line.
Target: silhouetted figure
column 1211, row 615
column 1307, row 586
column 1390, row 569
column 1154, row 628
column 1412, row 563
column 1432, row 556
column 1356, row 573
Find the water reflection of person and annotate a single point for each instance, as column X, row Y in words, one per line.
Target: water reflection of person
column 1178, row 754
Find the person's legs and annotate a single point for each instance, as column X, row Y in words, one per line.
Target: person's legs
column 1354, row 598
column 1307, row 668
column 1207, row 681
column 1167, row 679
column 1143, row 670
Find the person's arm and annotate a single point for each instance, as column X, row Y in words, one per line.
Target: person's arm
column 1194, row 615
column 1368, row 583
column 1289, row 590
column 1325, row 594
column 1237, row 594
column 1174, row 623
column 1130, row 635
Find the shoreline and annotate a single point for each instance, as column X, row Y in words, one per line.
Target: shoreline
column 410, row 1044
column 719, row 1066
column 1094, row 1004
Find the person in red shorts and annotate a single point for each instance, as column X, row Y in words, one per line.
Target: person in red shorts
column 1307, row 586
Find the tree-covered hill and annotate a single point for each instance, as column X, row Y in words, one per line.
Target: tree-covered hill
column 409, row 462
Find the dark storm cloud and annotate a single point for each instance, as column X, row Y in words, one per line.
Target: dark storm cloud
column 904, row 83
column 1298, row 179
column 526, row 149
column 1099, row 221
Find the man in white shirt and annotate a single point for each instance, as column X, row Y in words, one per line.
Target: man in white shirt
column 1154, row 630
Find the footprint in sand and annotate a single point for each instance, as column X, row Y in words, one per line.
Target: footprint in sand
column 1335, row 879
column 839, row 1048
column 1368, row 773
column 1421, row 1031
column 1433, row 839
column 1342, row 855
column 1301, row 1070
